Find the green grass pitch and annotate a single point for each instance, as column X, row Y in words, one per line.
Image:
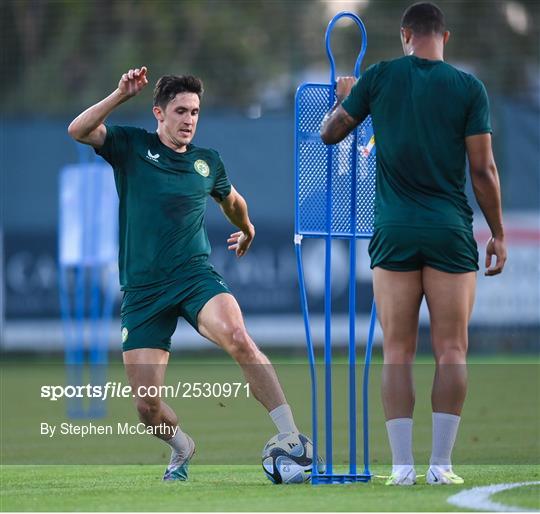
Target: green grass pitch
column 233, row 488
column 498, row 443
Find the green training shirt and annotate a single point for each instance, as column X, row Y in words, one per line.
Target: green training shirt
column 422, row 111
column 163, row 197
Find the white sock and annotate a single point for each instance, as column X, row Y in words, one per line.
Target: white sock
column 400, row 438
column 445, row 428
column 179, row 443
column 283, row 419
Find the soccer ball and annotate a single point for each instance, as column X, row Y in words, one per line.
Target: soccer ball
column 287, row 458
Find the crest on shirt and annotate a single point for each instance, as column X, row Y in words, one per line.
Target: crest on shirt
column 201, row 167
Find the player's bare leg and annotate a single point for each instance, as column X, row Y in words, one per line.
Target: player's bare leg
column 450, row 299
column 221, row 321
column 146, row 367
column 398, row 296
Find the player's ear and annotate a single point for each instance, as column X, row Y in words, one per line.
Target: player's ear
column 158, row 112
column 446, row 36
column 406, row 35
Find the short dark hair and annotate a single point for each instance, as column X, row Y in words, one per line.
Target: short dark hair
column 423, row 18
column 168, row 86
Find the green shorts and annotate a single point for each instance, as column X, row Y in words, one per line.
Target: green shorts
column 149, row 316
column 402, row 248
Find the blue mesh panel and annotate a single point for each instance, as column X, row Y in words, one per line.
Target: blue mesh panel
column 350, row 167
column 365, row 178
column 311, row 154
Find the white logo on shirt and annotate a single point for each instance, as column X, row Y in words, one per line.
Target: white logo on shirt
column 152, row 157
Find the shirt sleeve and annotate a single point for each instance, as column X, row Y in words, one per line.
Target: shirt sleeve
column 222, row 185
column 358, row 102
column 478, row 118
column 116, row 145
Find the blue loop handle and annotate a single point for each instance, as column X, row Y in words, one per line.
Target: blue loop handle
column 361, row 26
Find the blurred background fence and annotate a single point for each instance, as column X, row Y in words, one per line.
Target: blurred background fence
column 58, row 57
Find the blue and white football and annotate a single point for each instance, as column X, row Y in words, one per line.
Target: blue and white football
column 287, row 458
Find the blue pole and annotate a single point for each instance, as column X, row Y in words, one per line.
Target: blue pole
column 328, row 355
column 97, row 370
column 352, row 313
column 365, row 392
column 352, row 358
column 311, row 361
column 80, row 286
column 328, row 309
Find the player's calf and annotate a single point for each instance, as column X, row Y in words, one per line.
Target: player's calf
column 149, row 410
column 154, row 412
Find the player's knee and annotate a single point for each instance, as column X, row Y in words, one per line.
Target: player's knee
column 148, row 409
column 240, row 345
column 452, row 352
column 399, row 353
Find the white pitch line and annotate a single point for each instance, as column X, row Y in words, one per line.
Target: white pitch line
column 478, row 498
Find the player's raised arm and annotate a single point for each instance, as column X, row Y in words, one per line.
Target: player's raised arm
column 338, row 123
column 487, row 189
column 88, row 127
column 236, row 211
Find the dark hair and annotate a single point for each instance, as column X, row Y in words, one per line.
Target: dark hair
column 168, row 86
column 423, row 18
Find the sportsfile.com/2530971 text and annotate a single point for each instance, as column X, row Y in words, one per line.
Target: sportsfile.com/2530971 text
column 119, row 390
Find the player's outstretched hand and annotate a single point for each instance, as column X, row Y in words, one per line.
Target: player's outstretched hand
column 239, row 242
column 133, row 82
column 495, row 248
column 344, row 86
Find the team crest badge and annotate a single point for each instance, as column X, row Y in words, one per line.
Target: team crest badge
column 202, row 168
column 125, row 334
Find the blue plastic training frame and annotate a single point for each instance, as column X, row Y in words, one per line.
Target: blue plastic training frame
column 328, row 42
column 335, row 191
column 87, row 275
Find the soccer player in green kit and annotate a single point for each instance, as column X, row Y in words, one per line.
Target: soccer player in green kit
column 163, row 183
column 427, row 117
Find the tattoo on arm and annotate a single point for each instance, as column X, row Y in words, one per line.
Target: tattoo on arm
column 337, row 125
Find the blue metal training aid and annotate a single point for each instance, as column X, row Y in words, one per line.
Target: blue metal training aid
column 335, row 191
column 87, row 260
